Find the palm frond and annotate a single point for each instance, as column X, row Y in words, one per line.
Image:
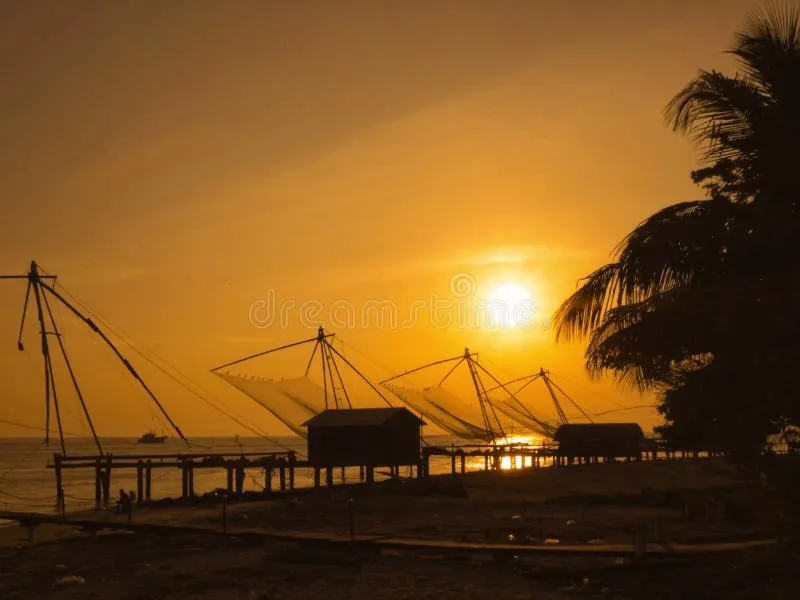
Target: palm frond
column 640, row 343
column 665, row 251
column 584, row 309
column 717, row 111
column 768, row 44
column 668, row 248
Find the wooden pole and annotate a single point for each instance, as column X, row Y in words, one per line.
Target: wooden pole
column 267, row 480
column 239, row 477
column 190, row 472
column 229, row 472
column 184, row 480
column 59, row 486
column 139, row 482
column 97, row 484
column 148, row 479
column 292, row 461
column 107, row 482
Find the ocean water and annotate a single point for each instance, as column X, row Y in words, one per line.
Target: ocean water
column 26, row 484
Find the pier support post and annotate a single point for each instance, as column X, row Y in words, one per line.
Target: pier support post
column 184, row 480
column 239, row 477
column 370, row 474
column 190, row 478
column 229, row 473
column 267, row 480
column 463, row 463
column 317, row 477
column 148, row 479
column 292, row 461
column 282, row 475
column 329, row 477
column 59, row 486
column 98, row 485
column 107, row 482
column 139, row 483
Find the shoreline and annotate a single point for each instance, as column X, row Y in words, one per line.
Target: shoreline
column 572, row 504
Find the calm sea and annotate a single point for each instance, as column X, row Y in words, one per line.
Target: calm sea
column 26, row 484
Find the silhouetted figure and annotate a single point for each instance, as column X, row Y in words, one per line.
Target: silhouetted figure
column 124, row 502
column 132, row 497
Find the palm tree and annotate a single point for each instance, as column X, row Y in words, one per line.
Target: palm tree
column 704, row 290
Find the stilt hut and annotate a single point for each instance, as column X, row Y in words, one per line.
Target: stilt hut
column 373, row 437
column 593, row 441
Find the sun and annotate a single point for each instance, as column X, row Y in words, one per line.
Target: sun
column 510, row 293
column 511, row 305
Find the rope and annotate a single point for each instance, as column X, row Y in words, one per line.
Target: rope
column 258, row 483
column 19, row 464
column 627, row 408
column 125, row 338
column 35, row 428
column 28, row 498
column 90, row 500
column 389, row 370
column 590, row 391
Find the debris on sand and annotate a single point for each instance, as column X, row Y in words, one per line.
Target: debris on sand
column 69, row 579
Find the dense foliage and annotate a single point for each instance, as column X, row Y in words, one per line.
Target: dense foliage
column 702, row 302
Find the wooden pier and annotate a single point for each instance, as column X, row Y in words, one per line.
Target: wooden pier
column 513, row 457
column 279, row 468
column 235, row 466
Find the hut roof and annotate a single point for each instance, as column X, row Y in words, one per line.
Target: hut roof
column 358, row 417
column 584, row 431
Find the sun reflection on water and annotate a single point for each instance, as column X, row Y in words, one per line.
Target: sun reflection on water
column 510, row 461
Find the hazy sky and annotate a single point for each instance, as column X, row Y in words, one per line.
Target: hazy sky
column 176, row 162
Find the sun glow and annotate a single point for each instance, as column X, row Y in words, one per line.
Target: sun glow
column 510, row 306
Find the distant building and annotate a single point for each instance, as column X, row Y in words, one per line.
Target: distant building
column 374, row 437
column 600, row 440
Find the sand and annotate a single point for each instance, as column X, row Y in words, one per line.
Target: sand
column 575, row 505
column 682, row 502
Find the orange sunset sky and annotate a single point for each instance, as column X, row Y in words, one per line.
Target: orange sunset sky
column 173, row 162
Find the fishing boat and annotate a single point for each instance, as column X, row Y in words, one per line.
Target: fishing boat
column 151, row 438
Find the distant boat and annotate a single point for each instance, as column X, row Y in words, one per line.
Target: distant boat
column 151, row 438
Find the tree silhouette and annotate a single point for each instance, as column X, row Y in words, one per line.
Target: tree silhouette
column 702, row 301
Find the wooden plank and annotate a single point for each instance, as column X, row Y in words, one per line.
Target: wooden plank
column 612, row 550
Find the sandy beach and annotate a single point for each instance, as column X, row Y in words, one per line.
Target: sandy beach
column 676, row 502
